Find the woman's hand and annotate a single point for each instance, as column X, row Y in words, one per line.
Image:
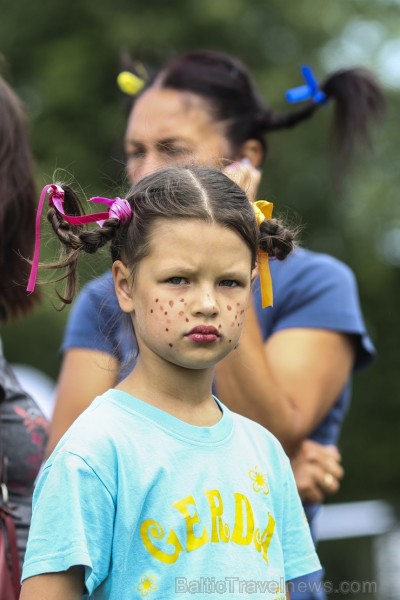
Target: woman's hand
column 317, row 471
column 246, row 176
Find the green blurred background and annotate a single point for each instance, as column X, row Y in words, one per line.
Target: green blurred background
column 62, row 57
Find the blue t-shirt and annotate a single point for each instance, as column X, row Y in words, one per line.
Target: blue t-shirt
column 152, row 506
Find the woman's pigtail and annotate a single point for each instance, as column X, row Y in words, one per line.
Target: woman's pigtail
column 273, row 120
column 275, row 239
column 74, row 240
column 359, row 101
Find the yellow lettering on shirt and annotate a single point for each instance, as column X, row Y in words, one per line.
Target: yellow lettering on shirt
column 244, row 521
column 192, row 541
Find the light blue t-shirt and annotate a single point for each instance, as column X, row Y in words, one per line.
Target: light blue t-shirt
column 154, row 507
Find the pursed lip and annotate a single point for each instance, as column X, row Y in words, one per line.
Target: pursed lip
column 205, row 330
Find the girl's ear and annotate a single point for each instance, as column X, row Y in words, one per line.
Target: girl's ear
column 253, row 150
column 123, row 286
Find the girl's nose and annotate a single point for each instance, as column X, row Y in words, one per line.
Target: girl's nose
column 205, row 304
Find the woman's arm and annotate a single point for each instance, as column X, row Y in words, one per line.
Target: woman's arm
column 289, row 383
column 67, row 585
column 84, row 375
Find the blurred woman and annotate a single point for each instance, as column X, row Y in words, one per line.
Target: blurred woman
column 23, row 428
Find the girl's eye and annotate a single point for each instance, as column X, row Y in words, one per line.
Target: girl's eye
column 177, row 280
column 229, row 283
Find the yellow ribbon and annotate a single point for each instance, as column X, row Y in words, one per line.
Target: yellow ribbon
column 129, row 83
column 263, row 210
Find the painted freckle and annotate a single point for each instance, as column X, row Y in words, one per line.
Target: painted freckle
column 170, row 345
column 219, row 326
column 166, row 329
column 165, row 313
column 229, row 307
column 151, row 310
column 232, row 324
column 156, row 299
column 235, row 317
column 182, row 300
column 181, row 313
column 171, row 303
column 230, row 341
column 187, row 320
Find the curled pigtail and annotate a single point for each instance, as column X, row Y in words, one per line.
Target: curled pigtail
column 275, row 239
column 69, row 224
column 74, row 240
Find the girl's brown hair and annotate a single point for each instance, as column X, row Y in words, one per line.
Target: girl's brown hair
column 173, row 193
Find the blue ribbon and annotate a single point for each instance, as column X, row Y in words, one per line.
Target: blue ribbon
column 309, row 91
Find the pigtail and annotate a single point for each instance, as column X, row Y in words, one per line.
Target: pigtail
column 275, row 239
column 358, row 102
column 74, row 240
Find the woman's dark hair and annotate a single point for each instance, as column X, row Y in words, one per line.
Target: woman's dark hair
column 226, row 84
column 17, row 205
column 173, row 193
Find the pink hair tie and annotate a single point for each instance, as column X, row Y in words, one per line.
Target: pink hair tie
column 119, row 209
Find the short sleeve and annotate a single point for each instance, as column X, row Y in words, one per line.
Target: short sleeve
column 297, row 544
column 72, row 523
column 95, row 318
column 316, row 291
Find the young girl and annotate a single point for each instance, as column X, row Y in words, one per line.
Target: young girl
column 158, row 489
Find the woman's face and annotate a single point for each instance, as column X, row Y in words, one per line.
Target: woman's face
column 167, row 127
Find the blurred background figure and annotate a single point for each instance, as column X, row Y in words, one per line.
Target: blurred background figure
column 23, row 427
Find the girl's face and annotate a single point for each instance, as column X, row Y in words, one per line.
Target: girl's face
column 189, row 295
column 168, row 127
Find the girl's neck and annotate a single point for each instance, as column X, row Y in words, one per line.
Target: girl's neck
column 183, row 393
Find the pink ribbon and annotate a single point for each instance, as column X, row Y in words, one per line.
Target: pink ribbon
column 119, row 209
